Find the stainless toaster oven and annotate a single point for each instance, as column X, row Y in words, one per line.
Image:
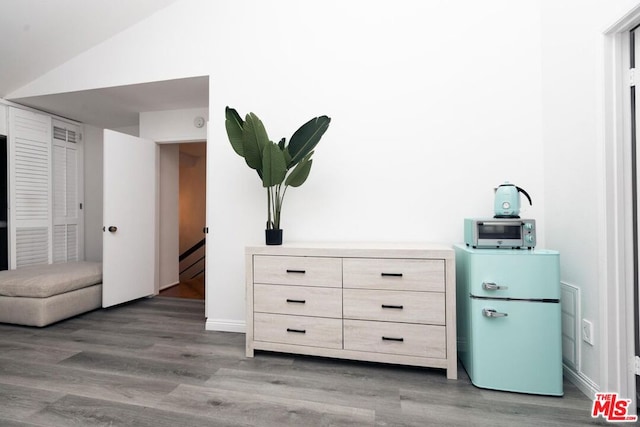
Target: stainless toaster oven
column 509, row 233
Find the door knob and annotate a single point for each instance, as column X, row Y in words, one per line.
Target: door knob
column 113, row 228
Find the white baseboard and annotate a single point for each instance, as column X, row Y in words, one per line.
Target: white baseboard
column 226, row 325
column 584, row 383
column 163, row 287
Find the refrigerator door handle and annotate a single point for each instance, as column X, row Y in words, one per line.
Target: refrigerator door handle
column 488, row 312
column 490, row 286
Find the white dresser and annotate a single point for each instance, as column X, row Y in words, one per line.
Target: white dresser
column 390, row 303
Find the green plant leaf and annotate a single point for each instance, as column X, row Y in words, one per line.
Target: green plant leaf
column 306, row 138
column 282, row 143
column 287, row 158
column 274, row 167
column 299, row 175
column 234, row 124
column 255, row 138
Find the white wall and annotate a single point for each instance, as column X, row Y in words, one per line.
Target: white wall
column 129, row 130
column 432, row 103
column 168, row 229
column 174, row 125
column 93, row 176
column 572, row 81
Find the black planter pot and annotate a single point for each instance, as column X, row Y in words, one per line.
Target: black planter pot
column 273, row 236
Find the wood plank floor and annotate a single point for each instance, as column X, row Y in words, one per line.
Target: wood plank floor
column 188, row 288
column 151, row 363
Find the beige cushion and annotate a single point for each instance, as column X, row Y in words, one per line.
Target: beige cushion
column 42, row 281
column 44, row 311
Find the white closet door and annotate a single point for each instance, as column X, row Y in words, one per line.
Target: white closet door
column 29, row 188
column 67, row 213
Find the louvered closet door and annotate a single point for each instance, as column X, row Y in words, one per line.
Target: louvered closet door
column 67, row 152
column 29, row 188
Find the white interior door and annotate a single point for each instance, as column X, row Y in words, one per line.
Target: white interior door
column 130, row 218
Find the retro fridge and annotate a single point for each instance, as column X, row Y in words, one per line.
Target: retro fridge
column 509, row 319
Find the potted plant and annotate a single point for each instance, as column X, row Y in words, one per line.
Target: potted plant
column 280, row 165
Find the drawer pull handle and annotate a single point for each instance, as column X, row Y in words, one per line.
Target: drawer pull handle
column 391, row 274
column 297, row 331
column 398, row 307
column 296, row 271
column 297, row 301
column 392, row 339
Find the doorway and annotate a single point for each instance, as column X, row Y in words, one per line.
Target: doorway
column 191, row 189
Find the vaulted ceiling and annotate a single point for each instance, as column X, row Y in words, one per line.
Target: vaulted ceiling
column 37, row 36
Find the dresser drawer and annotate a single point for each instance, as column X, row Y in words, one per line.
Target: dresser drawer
column 298, row 330
column 394, row 306
column 294, row 270
column 394, row 274
column 395, row 338
column 298, row 300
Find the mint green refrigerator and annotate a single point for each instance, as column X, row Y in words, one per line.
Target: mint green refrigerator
column 509, row 319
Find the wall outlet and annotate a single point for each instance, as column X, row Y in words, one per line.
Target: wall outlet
column 587, row 331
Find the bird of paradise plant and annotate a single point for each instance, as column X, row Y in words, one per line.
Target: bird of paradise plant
column 280, row 165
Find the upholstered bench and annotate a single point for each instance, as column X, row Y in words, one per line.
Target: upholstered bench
column 44, row 294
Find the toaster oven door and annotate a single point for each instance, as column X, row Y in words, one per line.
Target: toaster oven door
column 500, row 230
